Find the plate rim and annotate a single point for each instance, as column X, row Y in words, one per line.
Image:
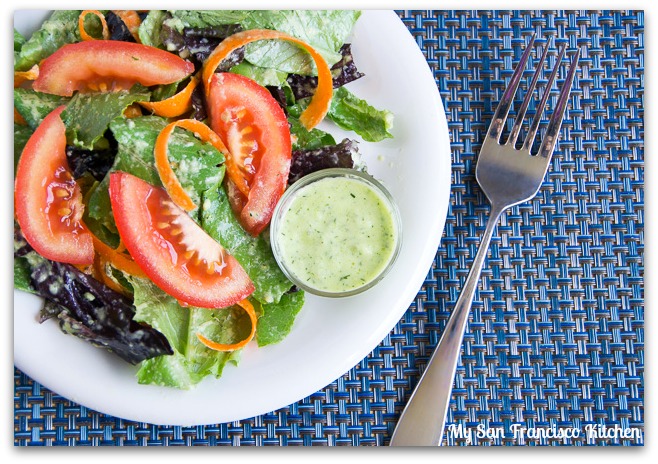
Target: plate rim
column 428, row 255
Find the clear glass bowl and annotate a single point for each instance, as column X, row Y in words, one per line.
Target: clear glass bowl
column 290, row 196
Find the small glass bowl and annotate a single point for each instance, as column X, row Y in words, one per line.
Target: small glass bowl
column 289, row 196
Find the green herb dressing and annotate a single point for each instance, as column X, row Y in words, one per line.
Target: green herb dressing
column 337, row 234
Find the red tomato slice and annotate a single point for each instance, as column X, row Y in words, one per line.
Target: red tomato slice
column 108, row 65
column 255, row 130
column 47, row 199
column 172, row 250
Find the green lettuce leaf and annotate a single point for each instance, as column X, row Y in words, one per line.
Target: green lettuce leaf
column 164, row 91
column 59, row 29
column 303, row 139
column 324, row 30
column 277, row 319
column 35, row 106
column 253, row 253
column 264, row 76
column 191, row 361
column 22, row 267
column 149, row 29
column 104, row 228
column 87, row 116
column 22, row 273
column 19, row 40
column 352, row 113
column 206, row 18
column 21, row 136
column 198, row 165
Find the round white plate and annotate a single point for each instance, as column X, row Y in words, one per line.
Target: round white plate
column 330, row 336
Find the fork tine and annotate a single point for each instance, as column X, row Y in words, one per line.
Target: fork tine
column 496, row 127
column 518, row 122
column 534, row 126
column 550, row 139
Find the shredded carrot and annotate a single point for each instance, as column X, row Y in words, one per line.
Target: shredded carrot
column 18, row 119
column 98, row 270
column 108, row 281
column 81, row 25
column 88, row 269
column 175, row 105
column 19, row 78
column 132, row 21
column 249, row 308
column 121, row 248
column 101, row 273
column 167, row 175
column 319, row 105
column 23, row 76
column 116, row 258
column 132, row 111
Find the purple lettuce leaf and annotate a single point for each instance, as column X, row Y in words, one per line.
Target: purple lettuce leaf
column 304, row 162
column 88, row 309
column 343, row 72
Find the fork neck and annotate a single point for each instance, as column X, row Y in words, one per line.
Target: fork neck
column 494, row 214
column 470, row 285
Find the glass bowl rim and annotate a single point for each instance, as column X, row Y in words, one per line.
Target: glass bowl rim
column 361, row 176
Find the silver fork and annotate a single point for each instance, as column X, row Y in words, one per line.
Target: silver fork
column 508, row 177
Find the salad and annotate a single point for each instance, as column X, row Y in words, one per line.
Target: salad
column 150, row 151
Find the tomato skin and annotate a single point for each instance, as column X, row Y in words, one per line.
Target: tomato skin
column 47, row 200
column 255, row 129
column 171, row 249
column 108, row 65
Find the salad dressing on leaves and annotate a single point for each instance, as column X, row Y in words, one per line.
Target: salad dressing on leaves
column 337, row 234
column 147, row 329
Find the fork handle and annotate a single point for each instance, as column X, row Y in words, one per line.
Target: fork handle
column 423, row 419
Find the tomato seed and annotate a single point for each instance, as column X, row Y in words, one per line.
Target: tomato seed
column 61, row 192
column 64, row 211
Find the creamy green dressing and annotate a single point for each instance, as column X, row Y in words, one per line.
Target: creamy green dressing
column 337, row 234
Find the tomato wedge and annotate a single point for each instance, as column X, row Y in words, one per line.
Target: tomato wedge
column 255, row 130
column 172, row 250
column 108, row 65
column 47, row 199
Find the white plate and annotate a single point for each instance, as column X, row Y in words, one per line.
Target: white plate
column 329, row 336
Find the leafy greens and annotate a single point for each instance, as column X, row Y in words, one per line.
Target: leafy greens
column 146, row 326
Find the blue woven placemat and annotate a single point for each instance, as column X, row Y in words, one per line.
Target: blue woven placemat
column 556, row 340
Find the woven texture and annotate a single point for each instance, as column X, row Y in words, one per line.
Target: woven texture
column 556, row 337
